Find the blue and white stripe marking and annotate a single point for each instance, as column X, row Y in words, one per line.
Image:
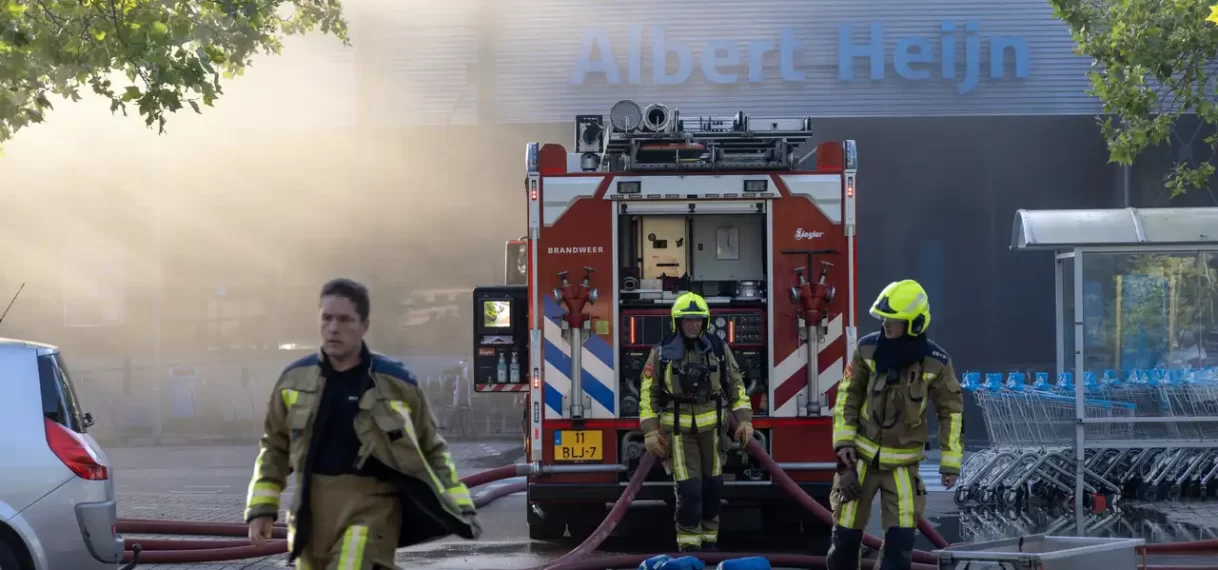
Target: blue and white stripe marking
column 598, row 378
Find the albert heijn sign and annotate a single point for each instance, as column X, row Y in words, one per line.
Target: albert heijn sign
column 952, row 51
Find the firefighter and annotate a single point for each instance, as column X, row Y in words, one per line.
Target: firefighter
column 879, row 428
column 688, row 382
column 372, row 474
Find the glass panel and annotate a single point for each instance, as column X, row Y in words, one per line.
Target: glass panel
column 516, row 263
column 727, row 242
column 59, row 402
column 1066, row 318
column 1150, row 310
column 1150, row 320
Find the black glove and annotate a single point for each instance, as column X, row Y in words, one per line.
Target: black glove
column 848, row 486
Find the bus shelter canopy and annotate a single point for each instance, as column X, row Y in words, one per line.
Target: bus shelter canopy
column 1068, row 229
column 1136, row 294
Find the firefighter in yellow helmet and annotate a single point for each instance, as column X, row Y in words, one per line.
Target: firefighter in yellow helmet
column 689, row 382
column 879, row 428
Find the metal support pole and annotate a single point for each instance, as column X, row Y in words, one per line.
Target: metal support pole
column 1079, row 397
column 1126, row 185
column 825, row 466
column 539, row 469
column 576, row 335
column 158, row 376
column 812, row 390
column 1060, row 307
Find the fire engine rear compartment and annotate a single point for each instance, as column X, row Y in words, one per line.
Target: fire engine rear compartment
column 717, row 251
column 723, row 257
column 720, row 256
column 732, row 252
column 738, row 224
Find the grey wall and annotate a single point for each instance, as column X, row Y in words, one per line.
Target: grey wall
column 536, row 61
column 936, row 200
column 937, row 197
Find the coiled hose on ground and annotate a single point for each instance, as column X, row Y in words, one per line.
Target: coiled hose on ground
column 179, row 551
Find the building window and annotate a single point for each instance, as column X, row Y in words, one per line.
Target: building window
column 236, row 324
column 93, row 288
column 296, row 320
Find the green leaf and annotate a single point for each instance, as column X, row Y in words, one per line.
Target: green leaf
column 171, row 52
column 1150, row 68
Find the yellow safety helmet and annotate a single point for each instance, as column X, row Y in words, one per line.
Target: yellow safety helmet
column 904, row 301
column 690, row 306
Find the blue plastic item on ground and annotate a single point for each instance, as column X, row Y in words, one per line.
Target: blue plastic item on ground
column 655, row 562
column 684, row 563
column 750, row 563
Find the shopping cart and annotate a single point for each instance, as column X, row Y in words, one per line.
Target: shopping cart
column 1033, row 437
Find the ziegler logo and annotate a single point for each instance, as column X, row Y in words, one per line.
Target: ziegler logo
column 581, row 249
column 801, row 234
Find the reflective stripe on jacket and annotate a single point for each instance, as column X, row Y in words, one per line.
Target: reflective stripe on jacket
column 886, row 423
column 394, row 424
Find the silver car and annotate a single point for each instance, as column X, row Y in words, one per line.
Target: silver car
column 57, row 508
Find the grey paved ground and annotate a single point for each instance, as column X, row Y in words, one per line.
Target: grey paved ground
column 208, row 484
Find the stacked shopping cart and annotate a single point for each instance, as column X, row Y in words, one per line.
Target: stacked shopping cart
column 1168, row 452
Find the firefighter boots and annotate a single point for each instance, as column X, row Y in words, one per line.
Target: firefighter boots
column 898, row 549
column 844, row 549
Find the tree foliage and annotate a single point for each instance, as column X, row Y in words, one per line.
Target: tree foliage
column 173, row 53
column 1153, row 63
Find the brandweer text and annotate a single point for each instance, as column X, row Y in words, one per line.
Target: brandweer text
column 911, row 58
column 578, row 249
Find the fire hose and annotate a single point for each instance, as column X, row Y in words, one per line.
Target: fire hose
column 178, row 551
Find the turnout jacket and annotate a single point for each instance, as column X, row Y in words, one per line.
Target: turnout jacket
column 886, row 421
column 394, row 425
column 661, row 398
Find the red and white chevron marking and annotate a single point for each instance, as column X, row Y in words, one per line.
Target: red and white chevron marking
column 501, row 388
column 791, row 373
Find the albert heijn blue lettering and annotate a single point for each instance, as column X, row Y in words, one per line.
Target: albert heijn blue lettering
column 920, row 52
column 912, row 58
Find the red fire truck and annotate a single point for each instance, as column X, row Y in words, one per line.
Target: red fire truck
column 747, row 211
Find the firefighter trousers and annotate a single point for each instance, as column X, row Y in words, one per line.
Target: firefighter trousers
column 902, row 501
column 356, row 521
column 696, row 466
column 902, row 498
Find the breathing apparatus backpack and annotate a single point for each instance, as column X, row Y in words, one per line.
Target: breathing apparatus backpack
column 694, row 379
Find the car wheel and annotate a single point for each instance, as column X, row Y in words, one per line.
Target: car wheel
column 8, row 559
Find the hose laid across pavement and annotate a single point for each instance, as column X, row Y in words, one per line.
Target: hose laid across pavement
column 180, row 555
column 203, row 550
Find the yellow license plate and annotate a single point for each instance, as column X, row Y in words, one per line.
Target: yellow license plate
column 578, row 445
